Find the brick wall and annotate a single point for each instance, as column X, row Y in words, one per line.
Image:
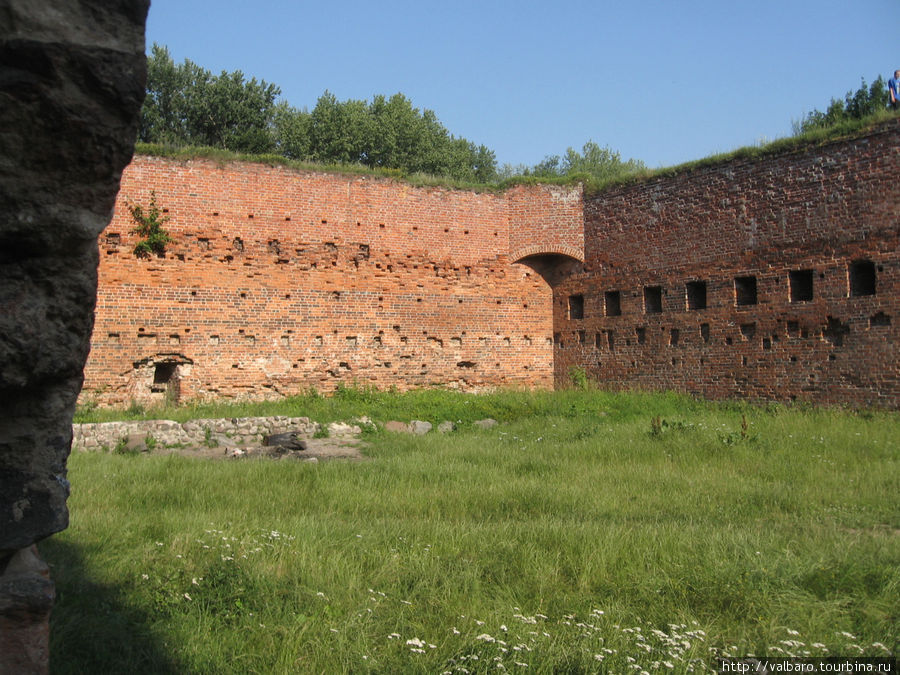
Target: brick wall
column 801, row 227
column 279, row 280
column 774, row 278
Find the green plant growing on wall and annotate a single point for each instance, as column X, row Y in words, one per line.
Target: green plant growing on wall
column 150, row 228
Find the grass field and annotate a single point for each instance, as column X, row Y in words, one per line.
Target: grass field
column 588, row 531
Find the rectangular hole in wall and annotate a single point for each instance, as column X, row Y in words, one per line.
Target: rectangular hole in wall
column 598, row 340
column 674, row 337
column 611, row 340
column 581, row 336
column 641, row 334
column 612, row 303
column 862, row 278
column 745, row 291
column 801, row 285
column 704, row 331
column 163, row 374
column 695, row 291
column 652, row 299
column 748, row 330
column 576, row 306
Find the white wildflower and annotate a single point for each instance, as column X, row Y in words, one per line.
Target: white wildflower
column 415, row 642
column 485, row 637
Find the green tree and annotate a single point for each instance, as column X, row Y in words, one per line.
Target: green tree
column 187, row 105
column 599, row 163
column 865, row 101
column 149, row 226
column 291, row 131
column 339, row 132
column 227, row 112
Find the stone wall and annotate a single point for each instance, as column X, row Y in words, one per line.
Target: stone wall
column 71, row 86
column 280, row 280
column 774, row 278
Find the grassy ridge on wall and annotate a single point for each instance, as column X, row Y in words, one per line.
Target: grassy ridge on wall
column 847, row 129
column 589, row 530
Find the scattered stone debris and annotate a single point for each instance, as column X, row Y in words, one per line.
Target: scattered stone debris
column 419, row 427
column 276, row 437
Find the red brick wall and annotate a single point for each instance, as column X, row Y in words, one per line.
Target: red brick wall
column 546, row 219
column 279, row 280
column 816, row 210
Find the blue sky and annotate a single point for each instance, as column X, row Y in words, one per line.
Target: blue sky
column 661, row 81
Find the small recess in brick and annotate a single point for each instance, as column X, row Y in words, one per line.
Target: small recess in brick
column 748, row 330
column 652, row 299
column 704, row 331
column 237, row 244
column 745, row 291
column 641, row 334
column 834, row 331
column 766, row 343
column 862, row 276
column 800, row 284
column 879, row 319
column 695, row 295
column 674, row 337
column 465, row 364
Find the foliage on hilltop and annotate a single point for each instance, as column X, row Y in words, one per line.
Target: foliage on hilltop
column 186, row 105
column 865, row 102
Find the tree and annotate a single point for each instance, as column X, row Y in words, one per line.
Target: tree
column 187, row 105
column 149, row 226
column 865, row 101
column 598, row 163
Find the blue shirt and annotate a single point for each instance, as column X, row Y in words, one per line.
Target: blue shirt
column 894, row 86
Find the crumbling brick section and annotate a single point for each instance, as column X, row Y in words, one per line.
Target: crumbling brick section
column 774, row 278
column 280, row 280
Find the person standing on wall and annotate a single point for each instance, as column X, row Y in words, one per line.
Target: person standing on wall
column 894, row 88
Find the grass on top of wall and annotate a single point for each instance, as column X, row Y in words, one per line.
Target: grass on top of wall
column 588, row 531
column 847, row 129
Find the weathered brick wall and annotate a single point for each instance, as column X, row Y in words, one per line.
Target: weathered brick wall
column 825, row 214
column 546, row 219
column 279, row 280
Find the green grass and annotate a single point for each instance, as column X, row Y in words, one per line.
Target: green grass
column 848, row 129
column 579, row 529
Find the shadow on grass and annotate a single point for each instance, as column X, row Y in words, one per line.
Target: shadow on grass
column 92, row 628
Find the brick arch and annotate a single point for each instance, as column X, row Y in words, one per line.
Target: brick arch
column 539, row 249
